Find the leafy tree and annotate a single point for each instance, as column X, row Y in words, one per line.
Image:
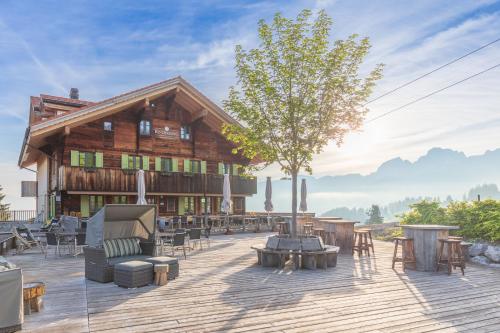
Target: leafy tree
column 297, row 92
column 374, row 215
column 425, row 212
column 4, row 208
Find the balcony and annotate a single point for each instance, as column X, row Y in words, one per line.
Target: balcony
column 118, row 180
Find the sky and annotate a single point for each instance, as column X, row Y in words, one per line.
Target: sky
column 108, row 47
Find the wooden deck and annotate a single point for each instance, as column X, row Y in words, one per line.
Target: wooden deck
column 222, row 289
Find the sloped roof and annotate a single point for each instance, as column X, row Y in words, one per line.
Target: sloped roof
column 90, row 111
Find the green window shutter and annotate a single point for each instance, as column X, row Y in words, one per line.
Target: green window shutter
column 145, row 163
column 75, row 158
column 221, row 168
column 84, row 206
column 181, row 205
column 187, row 166
column 175, row 165
column 124, row 161
column 236, row 169
column 157, row 163
column 99, row 160
column 203, row 166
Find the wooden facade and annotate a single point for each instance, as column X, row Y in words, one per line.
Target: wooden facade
column 174, row 136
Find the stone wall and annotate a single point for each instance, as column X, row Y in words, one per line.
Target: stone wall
column 485, row 254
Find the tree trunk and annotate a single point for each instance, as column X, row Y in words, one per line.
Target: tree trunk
column 294, row 205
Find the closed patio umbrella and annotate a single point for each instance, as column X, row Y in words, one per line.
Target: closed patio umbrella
column 268, row 204
column 303, row 196
column 226, row 200
column 141, row 188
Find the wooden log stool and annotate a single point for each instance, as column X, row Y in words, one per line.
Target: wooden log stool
column 407, row 252
column 454, row 257
column 308, row 229
column 464, row 246
column 320, row 232
column 32, row 296
column 161, row 274
column 362, row 242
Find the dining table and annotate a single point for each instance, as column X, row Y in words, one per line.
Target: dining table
column 426, row 243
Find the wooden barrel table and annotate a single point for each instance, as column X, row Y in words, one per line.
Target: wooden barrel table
column 425, row 242
column 344, row 232
column 32, row 293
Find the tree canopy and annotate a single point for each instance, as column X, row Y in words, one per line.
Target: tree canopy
column 297, row 91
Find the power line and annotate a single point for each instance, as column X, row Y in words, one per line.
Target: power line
column 434, row 70
column 430, row 94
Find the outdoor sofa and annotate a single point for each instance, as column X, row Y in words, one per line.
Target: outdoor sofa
column 116, row 234
column 11, row 297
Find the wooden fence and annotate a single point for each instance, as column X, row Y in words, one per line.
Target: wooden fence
column 17, row 215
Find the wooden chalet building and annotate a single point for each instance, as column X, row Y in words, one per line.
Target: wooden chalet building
column 87, row 153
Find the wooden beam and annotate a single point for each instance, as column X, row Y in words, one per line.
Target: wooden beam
column 199, row 115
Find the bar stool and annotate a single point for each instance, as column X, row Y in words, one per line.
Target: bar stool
column 454, row 257
column 308, row 229
column 362, row 241
column 331, row 238
column 283, row 228
column 464, row 247
column 320, row 232
column 407, row 252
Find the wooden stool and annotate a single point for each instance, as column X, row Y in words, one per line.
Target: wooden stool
column 330, row 238
column 320, row 232
column 454, row 257
column 32, row 293
column 161, row 274
column 362, row 241
column 307, row 228
column 283, row 228
column 407, row 252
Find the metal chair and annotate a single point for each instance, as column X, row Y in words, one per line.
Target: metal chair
column 178, row 242
column 51, row 241
column 80, row 243
column 194, row 236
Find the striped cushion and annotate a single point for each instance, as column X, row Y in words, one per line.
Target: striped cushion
column 122, row 247
column 111, row 249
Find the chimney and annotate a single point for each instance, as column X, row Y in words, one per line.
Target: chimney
column 73, row 93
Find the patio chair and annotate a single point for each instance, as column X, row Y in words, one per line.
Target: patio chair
column 184, row 221
column 24, row 239
column 51, row 241
column 80, row 243
column 208, row 230
column 177, row 242
column 175, row 221
column 194, row 236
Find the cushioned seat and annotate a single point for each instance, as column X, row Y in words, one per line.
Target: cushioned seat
column 173, row 264
column 132, row 274
column 118, row 260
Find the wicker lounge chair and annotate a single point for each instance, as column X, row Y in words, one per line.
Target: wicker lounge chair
column 112, row 234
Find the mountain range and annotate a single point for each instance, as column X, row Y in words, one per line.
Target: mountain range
column 439, row 173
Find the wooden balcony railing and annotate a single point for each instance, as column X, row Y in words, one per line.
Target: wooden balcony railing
column 118, row 180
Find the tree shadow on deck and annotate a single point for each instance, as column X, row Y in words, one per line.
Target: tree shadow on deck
column 283, row 295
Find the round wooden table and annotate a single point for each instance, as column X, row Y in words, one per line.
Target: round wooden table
column 426, row 244
column 32, row 293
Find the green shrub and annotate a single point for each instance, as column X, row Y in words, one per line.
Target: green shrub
column 478, row 220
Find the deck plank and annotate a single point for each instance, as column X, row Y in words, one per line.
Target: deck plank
column 222, row 289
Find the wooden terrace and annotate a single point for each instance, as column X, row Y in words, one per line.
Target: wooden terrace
column 222, row 289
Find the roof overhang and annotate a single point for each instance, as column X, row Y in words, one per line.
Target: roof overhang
column 36, row 134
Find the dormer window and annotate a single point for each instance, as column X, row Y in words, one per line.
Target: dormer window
column 145, row 128
column 186, row 132
column 108, row 126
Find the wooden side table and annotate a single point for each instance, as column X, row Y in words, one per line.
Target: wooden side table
column 32, row 293
column 161, row 274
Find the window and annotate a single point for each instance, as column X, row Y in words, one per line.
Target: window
column 119, row 199
column 186, row 132
column 170, row 204
column 134, row 162
column 189, row 205
column 95, row 203
column 195, row 166
column 87, row 160
column 206, row 202
column 227, row 168
column 108, row 126
column 166, row 164
column 145, row 128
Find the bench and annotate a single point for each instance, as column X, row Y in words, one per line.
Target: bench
column 305, row 259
